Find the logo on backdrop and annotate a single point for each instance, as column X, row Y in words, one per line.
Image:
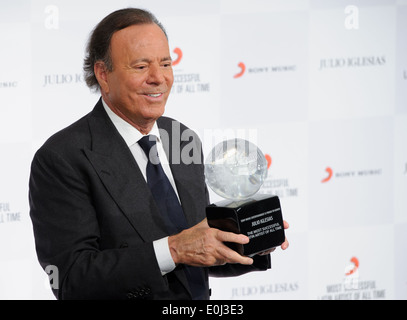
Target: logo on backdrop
column 244, row 69
column 63, row 79
column 264, row 289
column 178, row 52
column 351, row 280
column 352, row 62
column 353, row 267
column 282, row 187
column 269, row 160
column 330, row 174
column 186, row 82
column 353, row 287
column 7, row 215
column 8, row 84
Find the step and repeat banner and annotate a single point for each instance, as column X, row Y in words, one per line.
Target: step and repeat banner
column 319, row 85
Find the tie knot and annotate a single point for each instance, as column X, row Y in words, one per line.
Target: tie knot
column 148, row 144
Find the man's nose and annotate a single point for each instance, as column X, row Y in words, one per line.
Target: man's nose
column 155, row 75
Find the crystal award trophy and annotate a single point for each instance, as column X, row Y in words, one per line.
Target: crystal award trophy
column 236, row 169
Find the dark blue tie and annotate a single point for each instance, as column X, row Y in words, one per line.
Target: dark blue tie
column 169, row 206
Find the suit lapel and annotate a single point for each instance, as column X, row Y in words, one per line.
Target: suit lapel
column 185, row 176
column 122, row 177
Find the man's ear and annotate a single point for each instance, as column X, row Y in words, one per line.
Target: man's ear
column 100, row 71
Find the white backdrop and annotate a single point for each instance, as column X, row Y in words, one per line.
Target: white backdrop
column 319, row 85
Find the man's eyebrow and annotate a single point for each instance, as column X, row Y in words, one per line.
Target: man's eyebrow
column 149, row 60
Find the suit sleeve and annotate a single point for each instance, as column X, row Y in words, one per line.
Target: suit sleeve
column 67, row 237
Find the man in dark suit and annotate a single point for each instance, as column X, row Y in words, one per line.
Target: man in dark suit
column 95, row 218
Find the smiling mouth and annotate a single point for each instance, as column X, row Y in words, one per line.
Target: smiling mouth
column 154, row 95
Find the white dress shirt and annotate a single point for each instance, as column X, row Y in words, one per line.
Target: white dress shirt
column 131, row 136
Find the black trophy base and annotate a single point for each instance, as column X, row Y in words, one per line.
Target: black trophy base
column 260, row 218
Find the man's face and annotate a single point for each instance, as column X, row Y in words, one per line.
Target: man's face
column 138, row 87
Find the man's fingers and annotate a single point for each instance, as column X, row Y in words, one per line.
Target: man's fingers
column 285, row 244
column 232, row 237
column 230, row 255
column 233, row 257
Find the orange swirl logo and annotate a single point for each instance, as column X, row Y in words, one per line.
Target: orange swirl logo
column 269, row 160
column 355, row 262
column 178, row 52
column 330, row 173
column 242, row 67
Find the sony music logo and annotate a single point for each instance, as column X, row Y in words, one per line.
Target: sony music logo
column 350, row 173
column 8, row 84
column 263, row 69
column 352, row 62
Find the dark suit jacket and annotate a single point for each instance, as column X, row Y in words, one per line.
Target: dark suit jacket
column 95, row 219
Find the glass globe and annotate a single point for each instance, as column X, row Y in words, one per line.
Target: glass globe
column 235, row 169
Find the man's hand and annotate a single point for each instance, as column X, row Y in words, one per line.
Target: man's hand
column 283, row 246
column 202, row 246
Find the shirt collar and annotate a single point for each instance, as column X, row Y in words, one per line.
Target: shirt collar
column 129, row 133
